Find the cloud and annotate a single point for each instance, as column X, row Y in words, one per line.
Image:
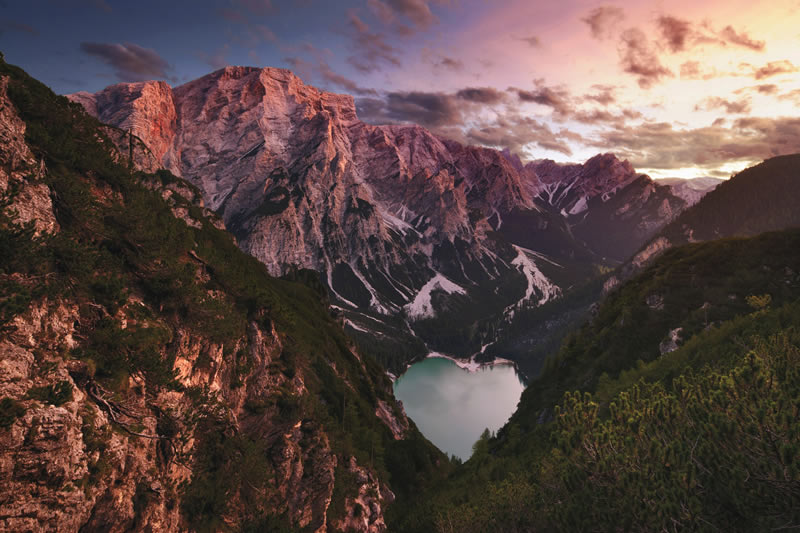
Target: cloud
column 515, row 132
column 675, row 32
column 417, row 12
column 450, row 63
column 603, row 20
column 320, row 69
column 741, row 39
column 693, row 70
column 661, row 146
column 12, row 26
column 217, row 59
column 130, row 62
column 791, row 95
column 596, row 117
column 774, row 68
column 532, row 40
column 371, row 49
column 426, row 109
column 556, row 98
column 604, row 95
column 767, row 88
column 482, row 95
column 732, row 107
column 638, row 58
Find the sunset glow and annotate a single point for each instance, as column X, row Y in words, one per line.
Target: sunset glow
column 680, row 88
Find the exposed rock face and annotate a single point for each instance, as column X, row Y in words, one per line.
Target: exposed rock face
column 30, row 201
column 571, row 187
column 379, row 210
column 76, row 457
column 301, row 181
column 146, row 108
column 609, row 206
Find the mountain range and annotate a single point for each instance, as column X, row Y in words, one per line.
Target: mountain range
column 166, row 365
column 402, row 225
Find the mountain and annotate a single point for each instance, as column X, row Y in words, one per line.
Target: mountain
column 153, row 377
column 675, row 395
column 408, row 230
column 691, row 189
column 759, row 199
column 608, row 205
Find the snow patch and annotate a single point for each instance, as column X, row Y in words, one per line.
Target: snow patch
column 536, row 280
column 396, row 222
column 421, row 307
column 579, row 207
column 375, row 302
column 471, row 365
column 356, row 326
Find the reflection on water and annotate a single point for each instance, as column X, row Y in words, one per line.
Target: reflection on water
column 452, row 406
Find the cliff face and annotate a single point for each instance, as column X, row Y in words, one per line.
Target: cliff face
column 301, row 181
column 381, row 211
column 152, row 376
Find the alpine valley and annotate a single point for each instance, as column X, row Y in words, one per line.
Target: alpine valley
column 206, row 292
column 417, row 239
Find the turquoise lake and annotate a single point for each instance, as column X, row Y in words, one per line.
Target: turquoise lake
column 452, row 406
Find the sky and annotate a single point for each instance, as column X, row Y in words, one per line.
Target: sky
column 681, row 88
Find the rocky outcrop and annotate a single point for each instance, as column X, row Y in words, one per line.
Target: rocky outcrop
column 20, row 173
column 90, row 439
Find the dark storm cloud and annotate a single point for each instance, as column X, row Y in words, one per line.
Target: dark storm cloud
column 659, row 145
column 675, row 32
column 774, row 68
column 603, row 20
column 731, row 36
column 130, row 62
column 731, row 107
column 638, row 58
column 371, row 49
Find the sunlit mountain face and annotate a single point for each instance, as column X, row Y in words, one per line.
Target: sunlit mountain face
column 680, row 89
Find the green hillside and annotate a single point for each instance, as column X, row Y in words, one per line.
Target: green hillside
column 614, row 435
